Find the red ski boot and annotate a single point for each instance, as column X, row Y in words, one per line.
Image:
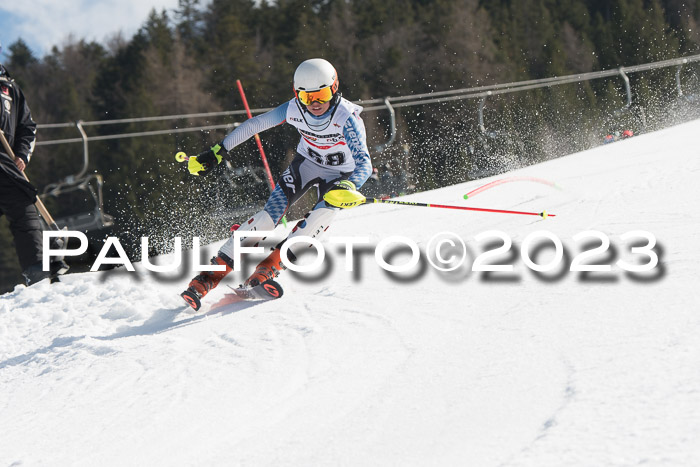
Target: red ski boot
column 269, row 268
column 202, row 283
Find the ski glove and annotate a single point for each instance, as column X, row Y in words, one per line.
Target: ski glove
column 203, row 163
column 344, row 195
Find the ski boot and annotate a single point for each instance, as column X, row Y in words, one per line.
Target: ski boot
column 202, row 283
column 35, row 273
column 268, row 269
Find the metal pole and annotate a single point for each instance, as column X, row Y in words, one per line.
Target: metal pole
column 392, row 122
column 482, row 102
column 628, row 89
column 79, row 125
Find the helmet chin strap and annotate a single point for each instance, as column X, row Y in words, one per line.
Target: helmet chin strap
column 323, row 125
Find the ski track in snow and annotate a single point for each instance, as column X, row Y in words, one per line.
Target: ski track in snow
column 360, row 368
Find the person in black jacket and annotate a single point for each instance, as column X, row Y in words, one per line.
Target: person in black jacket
column 17, row 195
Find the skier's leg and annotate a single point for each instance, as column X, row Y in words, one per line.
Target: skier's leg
column 316, row 221
column 203, row 282
column 259, row 221
column 290, row 187
column 314, row 224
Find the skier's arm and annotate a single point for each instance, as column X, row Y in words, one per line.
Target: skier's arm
column 255, row 125
column 356, row 137
column 203, row 163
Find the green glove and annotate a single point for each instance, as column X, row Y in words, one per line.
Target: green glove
column 344, row 195
column 203, row 163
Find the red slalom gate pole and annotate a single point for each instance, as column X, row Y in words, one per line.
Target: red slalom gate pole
column 257, row 137
column 507, row 180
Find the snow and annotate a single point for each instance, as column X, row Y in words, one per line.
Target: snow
column 369, row 368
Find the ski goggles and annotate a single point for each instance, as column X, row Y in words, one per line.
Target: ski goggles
column 321, row 96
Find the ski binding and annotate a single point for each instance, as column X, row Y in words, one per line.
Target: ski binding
column 268, row 290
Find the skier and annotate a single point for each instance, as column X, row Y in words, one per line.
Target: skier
column 332, row 154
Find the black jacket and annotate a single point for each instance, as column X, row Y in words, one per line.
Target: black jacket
column 20, row 131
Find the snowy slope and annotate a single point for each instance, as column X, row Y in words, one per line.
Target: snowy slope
column 366, row 368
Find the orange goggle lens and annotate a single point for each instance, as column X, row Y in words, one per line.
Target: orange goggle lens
column 322, row 96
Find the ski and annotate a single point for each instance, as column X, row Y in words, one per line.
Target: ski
column 268, row 290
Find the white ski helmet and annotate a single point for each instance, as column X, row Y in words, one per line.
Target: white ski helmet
column 315, row 79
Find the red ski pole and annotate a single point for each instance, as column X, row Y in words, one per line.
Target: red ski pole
column 350, row 198
column 542, row 214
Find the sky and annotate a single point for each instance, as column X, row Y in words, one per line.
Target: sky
column 45, row 23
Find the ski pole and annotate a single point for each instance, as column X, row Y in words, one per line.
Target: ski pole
column 351, row 198
column 542, row 214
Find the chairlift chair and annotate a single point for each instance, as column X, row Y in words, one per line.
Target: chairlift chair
column 627, row 111
column 687, row 101
column 489, row 144
column 80, row 203
column 90, row 216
